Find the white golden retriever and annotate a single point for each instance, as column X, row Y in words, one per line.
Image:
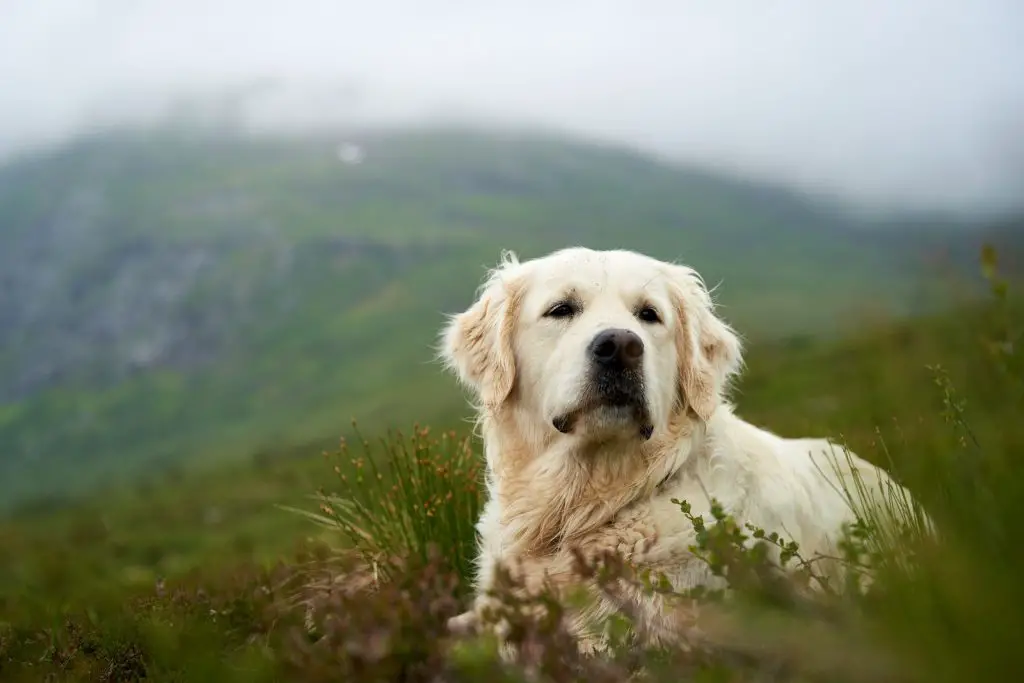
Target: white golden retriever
column 600, row 380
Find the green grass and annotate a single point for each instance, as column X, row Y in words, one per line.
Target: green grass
column 151, row 579
column 410, row 497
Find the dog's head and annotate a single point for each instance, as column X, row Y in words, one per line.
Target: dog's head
column 593, row 345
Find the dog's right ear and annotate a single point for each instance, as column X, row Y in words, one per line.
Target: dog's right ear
column 477, row 343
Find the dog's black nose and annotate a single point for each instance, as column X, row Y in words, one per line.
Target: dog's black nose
column 617, row 348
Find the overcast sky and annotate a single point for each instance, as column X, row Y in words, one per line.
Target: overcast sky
column 908, row 101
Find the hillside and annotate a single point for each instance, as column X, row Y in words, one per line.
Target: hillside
column 176, row 297
column 872, row 387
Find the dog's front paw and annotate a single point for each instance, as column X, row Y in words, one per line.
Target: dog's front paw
column 519, row 627
column 485, row 615
column 465, row 624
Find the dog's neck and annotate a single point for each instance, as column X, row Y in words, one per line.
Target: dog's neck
column 553, row 490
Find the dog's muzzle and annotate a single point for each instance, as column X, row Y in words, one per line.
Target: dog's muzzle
column 616, row 379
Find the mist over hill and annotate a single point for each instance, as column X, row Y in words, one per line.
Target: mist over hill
column 175, row 294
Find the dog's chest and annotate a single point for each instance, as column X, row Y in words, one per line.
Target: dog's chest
column 658, row 533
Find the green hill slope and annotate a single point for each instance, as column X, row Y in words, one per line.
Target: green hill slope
column 875, row 389
column 176, row 297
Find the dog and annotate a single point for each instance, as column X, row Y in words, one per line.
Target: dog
column 600, row 383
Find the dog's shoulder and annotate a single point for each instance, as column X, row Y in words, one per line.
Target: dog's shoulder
column 774, row 482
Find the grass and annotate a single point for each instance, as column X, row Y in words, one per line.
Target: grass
column 361, row 592
column 425, row 498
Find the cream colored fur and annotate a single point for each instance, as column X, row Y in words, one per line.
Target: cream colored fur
column 602, row 486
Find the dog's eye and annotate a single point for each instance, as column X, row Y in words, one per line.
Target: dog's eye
column 648, row 315
column 561, row 310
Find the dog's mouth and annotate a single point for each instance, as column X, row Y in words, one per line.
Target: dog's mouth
column 612, row 403
column 624, row 409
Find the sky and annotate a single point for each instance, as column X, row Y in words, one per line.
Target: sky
column 901, row 103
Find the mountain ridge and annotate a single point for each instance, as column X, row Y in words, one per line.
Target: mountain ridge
column 169, row 294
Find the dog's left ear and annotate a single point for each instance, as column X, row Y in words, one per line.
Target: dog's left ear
column 710, row 352
column 477, row 343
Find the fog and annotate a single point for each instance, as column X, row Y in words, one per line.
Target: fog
column 892, row 103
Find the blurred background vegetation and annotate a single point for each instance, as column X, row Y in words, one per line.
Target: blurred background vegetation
column 179, row 297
